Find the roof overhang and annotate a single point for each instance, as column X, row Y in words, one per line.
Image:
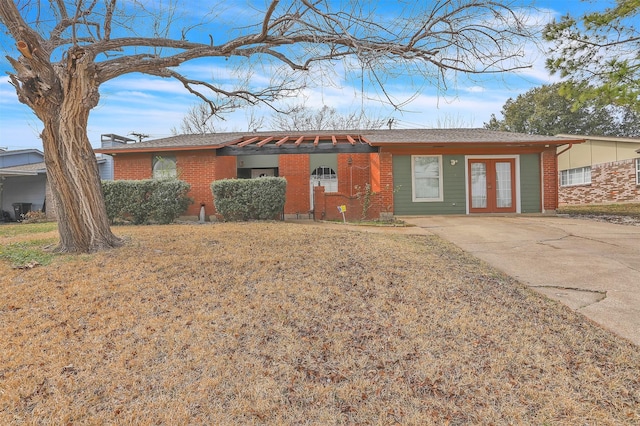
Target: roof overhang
column 115, row 151
column 264, row 144
column 5, row 173
column 601, row 138
column 492, row 144
column 350, row 142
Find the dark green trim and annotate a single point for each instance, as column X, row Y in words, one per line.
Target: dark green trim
column 530, row 191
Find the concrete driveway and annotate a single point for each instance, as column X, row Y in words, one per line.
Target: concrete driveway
column 592, row 267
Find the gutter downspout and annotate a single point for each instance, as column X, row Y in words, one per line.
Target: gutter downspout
column 558, row 188
column 565, row 150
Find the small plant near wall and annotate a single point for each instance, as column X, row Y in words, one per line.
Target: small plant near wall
column 34, row 217
column 388, row 209
column 365, row 196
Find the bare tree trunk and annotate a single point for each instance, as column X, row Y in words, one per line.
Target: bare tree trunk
column 72, row 169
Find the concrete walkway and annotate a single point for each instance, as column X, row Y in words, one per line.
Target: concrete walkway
column 592, row 267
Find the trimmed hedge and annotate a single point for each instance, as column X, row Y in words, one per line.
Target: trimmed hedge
column 249, row 199
column 144, row 201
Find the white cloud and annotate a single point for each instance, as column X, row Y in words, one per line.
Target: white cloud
column 473, row 89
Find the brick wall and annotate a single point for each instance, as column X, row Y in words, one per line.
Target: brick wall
column 384, row 161
column 295, row 169
column 222, row 168
column 549, row 179
column 354, row 172
column 132, row 166
column 198, row 169
column 610, row 183
column 326, row 205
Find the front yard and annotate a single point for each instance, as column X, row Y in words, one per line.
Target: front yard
column 281, row 323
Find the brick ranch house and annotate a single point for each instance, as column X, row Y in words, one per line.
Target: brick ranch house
column 410, row 172
column 602, row 170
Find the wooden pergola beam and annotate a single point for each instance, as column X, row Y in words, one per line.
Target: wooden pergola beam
column 265, row 141
column 335, row 141
column 316, row 140
column 283, row 140
column 299, row 141
column 351, row 140
column 249, row 141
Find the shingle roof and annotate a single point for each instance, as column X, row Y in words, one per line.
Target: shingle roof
column 601, row 138
column 20, row 151
column 24, row 169
column 454, row 136
column 373, row 137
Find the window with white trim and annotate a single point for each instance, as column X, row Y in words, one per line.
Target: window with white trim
column 637, row 171
column 164, row 168
column 426, row 178
column 577, row 176
column 323, row 173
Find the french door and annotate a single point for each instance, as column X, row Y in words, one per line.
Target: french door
column 492, row 185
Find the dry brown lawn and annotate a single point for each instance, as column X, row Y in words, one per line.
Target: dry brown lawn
column 281, row 323
column 626, row 209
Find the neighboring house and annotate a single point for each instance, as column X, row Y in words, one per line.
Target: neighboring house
column 23, row 181
column 602, row 170
column 411, row 172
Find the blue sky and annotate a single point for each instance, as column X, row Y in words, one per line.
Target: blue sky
column 153, row 106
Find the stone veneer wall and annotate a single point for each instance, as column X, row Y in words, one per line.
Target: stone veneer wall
column 610, row 183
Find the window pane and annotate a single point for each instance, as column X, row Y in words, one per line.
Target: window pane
column 503, row 185
column 478, row 185
column 164, row 168
column 324, row 172
column 426, row 177
column 427, row 188
column 578, row 176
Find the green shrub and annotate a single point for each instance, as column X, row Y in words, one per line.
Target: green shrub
column 247, row 199
column 143, row 201
column 169, row 200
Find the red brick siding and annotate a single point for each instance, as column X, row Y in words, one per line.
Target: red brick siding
column 385, row 201
column 326, row 205
column 610, row 183
column 295, row 169
column 132, row 166
column 549, row 179
column 198, row 169
column 355, row 175
column 225, row 168
column 374, row 169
